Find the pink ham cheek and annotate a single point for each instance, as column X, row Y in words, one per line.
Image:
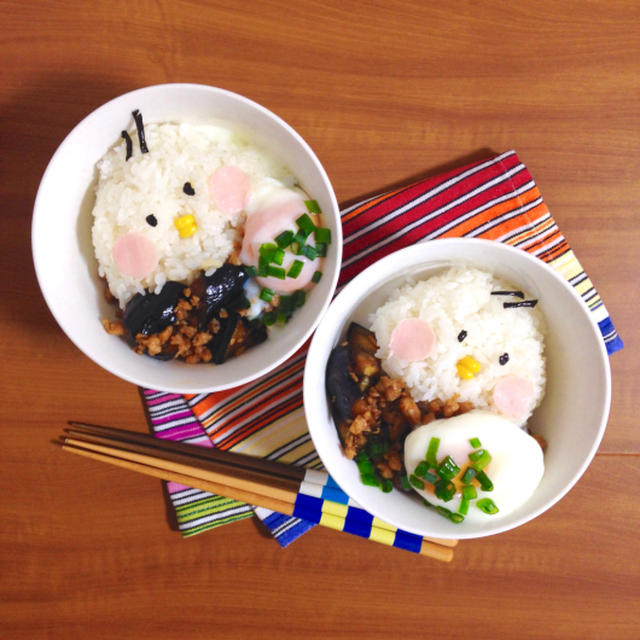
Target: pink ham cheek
column 412, row 340
column 135, row 255
column 512, row 396
column 229, row 189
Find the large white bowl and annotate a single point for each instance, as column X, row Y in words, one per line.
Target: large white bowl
column 61, row 234
column 572, row 417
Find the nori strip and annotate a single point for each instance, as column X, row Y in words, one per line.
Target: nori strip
column 127, row 139
column 137, row 116
column 188, row 189
column 518, row 294
column 524, row 303
column 462, row 335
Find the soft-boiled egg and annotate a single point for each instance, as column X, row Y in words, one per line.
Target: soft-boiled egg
column 510, row 458
column 271, row 211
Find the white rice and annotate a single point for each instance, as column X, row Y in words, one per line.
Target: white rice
column 455, row 300
column 152, row 183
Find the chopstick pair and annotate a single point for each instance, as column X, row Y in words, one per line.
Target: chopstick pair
column 305, row 493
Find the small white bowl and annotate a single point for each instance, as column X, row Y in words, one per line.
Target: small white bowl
column 63, row 254
column 572, row 416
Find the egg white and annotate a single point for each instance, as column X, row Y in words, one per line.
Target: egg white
column 516, row 466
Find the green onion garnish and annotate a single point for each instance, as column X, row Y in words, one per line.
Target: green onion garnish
column 464, row 506
column 286, row 305
column 487, row 505
column 278, row 256
column 322, row 235
column 387, row 485
column 377, row 448
column 267, row 249
column 312, row 206
column 456, row 518
column 305, row 224
column 309, row 252
column 267, row 294
column 448, row 469
column 268, row 318
column 422, row 469
column 475, row 443
column 404, row 482
column 281, row 318
column 370, row 480
column 299, row 298
column 284, row 239
column 469, row 492
column 416, row 482
column 295, row 269
column 321, row 249
column 276, row 272
column 429, row 477
column 444, row 490
column 432, row 452
column 252, row 272
column 485, row 481
column 364, row 463
column 315, row 278
column 479, row 459
column 468, row 475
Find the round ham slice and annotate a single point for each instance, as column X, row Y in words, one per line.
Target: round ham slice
column 512, row 396
column 229, row 189
column 135, row 255
column 412, row 340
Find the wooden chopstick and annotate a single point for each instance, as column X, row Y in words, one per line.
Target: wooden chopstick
column 272, row 485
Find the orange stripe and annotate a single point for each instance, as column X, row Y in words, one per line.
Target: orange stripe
column 537, row 230
column 489, row 214
column 514, row 223
column 370, row 203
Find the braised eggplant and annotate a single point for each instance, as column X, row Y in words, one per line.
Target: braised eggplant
column 342, row 389
column 152, row 312
column 219, row 290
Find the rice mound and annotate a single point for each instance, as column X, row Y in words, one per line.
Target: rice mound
column 455, row 300
column 128, row 191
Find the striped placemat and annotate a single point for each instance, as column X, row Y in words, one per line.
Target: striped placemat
column 496, row 199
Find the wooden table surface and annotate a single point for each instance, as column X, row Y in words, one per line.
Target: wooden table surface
column 382, row 91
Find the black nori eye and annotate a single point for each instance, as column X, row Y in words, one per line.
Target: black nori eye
column 462, row 335
column 504, row 358
column 129, row 144
column 188, row 189
column 151, row 220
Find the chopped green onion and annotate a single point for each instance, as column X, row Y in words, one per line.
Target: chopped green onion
column 295, row 268
column 281, row 318
column 485, row 481
column 321, row 249
column 432, row 452
column 479, row 459
column 364, row 463
column 416, row 482
column 276, row 272
column 309, row 252
column 377, row 448
column 404, row 482
column 267, row 294
column 312, row 206
column 315, row 278
column 299, row 298
column 444, row 490
column 487, row 505
column 286, row 305
column 422, row 469
column 429, row 477
column 322, row 235
column 469, row 492
column 267, row 249
column 263, row 266
column 370, row 480
column 252, row 272
column 448, row 469
column 305, row 224
column 475, row 443
column 456, row 518
column 468, row 475
column 283, row 240
column 278, row 256
column 387, row 485
column 464, row 506
column 268, row 318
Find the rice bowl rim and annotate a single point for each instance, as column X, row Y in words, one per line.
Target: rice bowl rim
column 393, row 268
column 43, row 262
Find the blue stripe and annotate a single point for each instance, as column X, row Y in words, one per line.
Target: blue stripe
column 613, row 342
column 408, row 541
column 308, row 508
column 358, row 522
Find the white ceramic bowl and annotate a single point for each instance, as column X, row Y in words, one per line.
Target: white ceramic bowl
column 63, row 254
column 572, row 416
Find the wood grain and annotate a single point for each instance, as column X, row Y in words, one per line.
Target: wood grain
column 383, row 92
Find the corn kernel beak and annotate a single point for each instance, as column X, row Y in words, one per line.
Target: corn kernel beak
column 186, row 225
column 467, row 367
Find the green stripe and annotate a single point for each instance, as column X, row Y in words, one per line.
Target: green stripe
column 217, row 523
